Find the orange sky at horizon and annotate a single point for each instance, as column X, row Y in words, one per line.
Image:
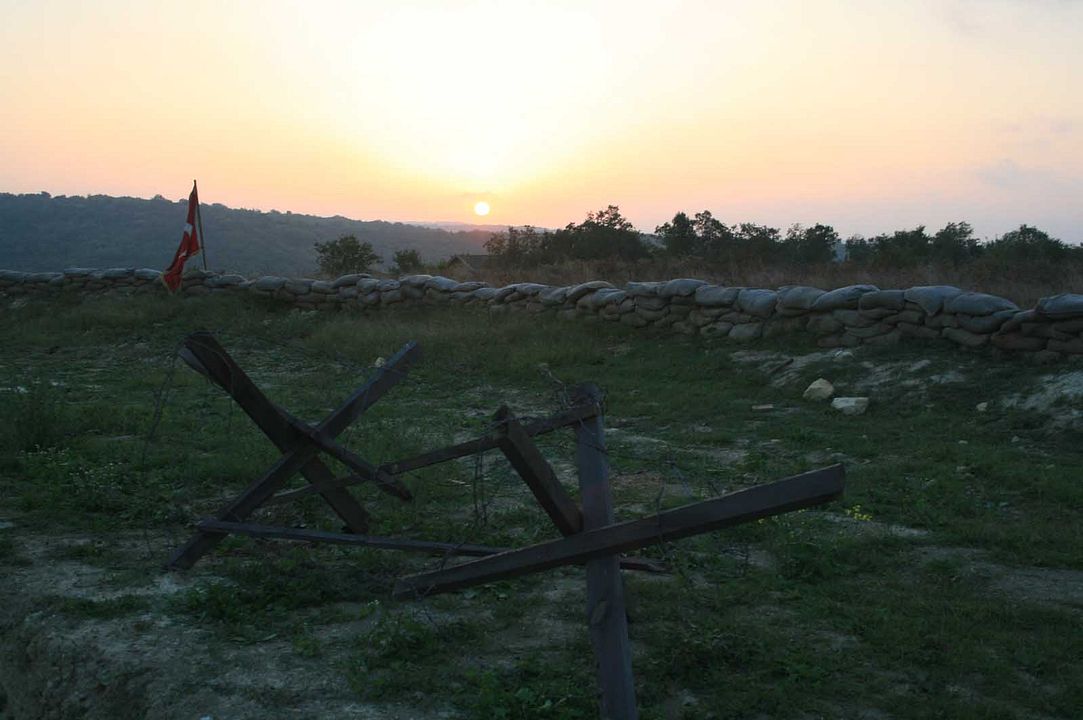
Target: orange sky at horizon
column 866, row 116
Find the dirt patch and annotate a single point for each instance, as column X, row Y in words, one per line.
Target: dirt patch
column 1047, row 586
column 1060, row 396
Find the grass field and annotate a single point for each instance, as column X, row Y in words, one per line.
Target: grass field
column 948, row 583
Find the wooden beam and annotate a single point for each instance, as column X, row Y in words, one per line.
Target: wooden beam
column 272, row 532
column 607, row 618
column 382, row 380
column 319, row 536
column 800, row 491
column 471, row 447
column 203, row 353
column 537, row 473
column 364, row 469
column 572, row 416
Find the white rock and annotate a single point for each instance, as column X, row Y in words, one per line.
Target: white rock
column 982, row 406
column 844, row 354
column 821, row 389
column 851, row 405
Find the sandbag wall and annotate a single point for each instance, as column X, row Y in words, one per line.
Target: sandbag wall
column 845, row 317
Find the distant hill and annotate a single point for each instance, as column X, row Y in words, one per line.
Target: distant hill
column 40, row 232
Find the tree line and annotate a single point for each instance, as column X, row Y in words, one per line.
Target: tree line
column 608, row 235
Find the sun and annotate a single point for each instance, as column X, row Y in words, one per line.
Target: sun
column 481, row 208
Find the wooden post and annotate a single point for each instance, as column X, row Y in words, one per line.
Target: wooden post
column 537, row 473
column 606, row 613
column 206, row 356
column 296, row 459
column 782, row 496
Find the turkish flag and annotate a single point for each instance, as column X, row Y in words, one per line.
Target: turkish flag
column 189, row 245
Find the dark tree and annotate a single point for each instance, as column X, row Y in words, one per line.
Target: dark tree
column 954, row 244
column 678, row 236
column 344, row 256
column 810, row 246
column 406, row 262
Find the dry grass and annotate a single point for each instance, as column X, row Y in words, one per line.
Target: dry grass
column 1024, row 289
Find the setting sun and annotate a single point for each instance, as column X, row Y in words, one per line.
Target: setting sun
column 481, row 208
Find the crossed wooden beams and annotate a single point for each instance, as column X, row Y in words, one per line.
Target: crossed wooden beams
column 590, row 534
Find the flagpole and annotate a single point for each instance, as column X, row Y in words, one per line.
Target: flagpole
column 199, row 221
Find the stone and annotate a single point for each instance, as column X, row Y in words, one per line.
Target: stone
column 842, row 298
column 70, row 272
column 604, row 297
column 145, row 274
column 982, row 407
column 348, row 293
column 417, row 281
column 484, row 294
column 824, row 325
column 346, row 280
column 1071, row 347
column 972, row 303
column 747, row 331
column 1069, row 327
column 759, row 303
column 850, row 405
column 964, row 337
column 882, row 300
column 680, row 310
column 984, row 324
column 118, row 273
column 874, row 313
column 893, row 337
column 299, row 287
column 441, row 284
column 1058, row 307
column 942, row 320
column 468, row 287
column 652, row 303
column 798, row 297
column 367, row 285
column 224, row 281
column 681, row 286
column 931, row 298
column 651, row 315
column 388, row 297
column 869, row 332
column 269, row 283
column 716, row 295
column 1017, row 341
column 717, row 329
column 583, row 288
column 783, row 325
column 387, row 285
column 412, row 292
column 46, row 277
column 852, row 318
column 553, row 296
column 643, row 289
column 532, row 289
column 326, row 287
column 914, row 317
column 820, row 389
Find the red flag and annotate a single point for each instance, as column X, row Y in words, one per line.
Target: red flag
column 189, row 245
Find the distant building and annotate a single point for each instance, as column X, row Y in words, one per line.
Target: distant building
column 469, row 263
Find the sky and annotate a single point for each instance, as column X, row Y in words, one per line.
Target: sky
column 869, row 115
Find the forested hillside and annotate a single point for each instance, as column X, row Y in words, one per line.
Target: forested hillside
column 40, row 232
